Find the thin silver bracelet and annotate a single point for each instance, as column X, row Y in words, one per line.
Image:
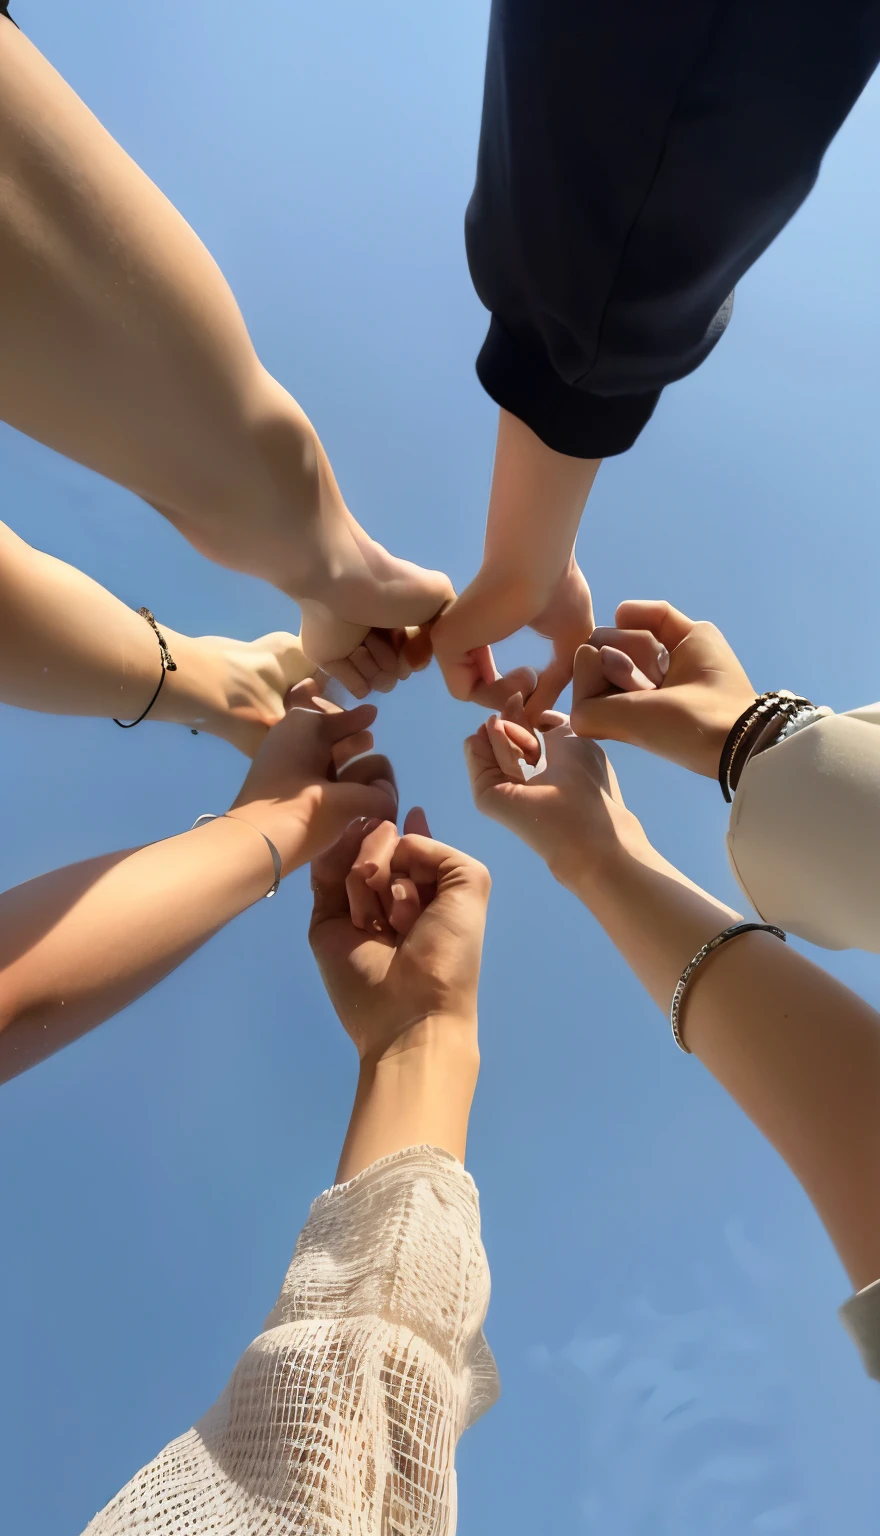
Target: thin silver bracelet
column 682, row 984
column 202, row 821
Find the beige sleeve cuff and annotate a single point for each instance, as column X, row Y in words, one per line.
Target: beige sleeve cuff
column 804, row 833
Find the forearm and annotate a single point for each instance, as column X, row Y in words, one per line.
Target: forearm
column 798, row 1051
column 535, row 507
column 419, row 1093
column 69, row 647
column 79, row 944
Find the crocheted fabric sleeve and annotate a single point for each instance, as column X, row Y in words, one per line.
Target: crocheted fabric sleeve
column 342, row 1417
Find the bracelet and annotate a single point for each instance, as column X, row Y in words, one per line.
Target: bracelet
column 682, row 983
column 745, row 732
column 202, row 821
column 168, row 665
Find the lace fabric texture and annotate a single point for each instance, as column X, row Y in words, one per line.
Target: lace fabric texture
column 342, row 1417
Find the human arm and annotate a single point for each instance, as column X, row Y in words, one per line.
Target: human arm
column 529, row 575
column 80, row 943
column 345, row 1411
column 634, row 162
column 805, row 822
column 397, row 931
column 798, row 1051
column 69, row 647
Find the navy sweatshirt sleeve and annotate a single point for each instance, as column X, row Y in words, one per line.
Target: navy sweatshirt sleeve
column 635, row 159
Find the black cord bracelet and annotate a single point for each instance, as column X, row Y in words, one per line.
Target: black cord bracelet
column 168, row 665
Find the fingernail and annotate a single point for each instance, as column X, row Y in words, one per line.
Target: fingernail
column 389, row 788
column 398, row 892
column 663, row 662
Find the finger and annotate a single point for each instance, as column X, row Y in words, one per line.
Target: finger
column 328, row 874
column 482, row 764
column 353, row 746
column 363, row 660
column 406, row 905
column 495, row 695
column 588, row 680
column 369, row 880
column 417, row 822
column 555, row 677
column 367, row 912
column 427, row 862
column 378, row 849
column 337, row 724
column 643, row 648
column 622, row 671
column 417, row 648
column 376, row 774
column 512, row 744
column 347, row 674
column 304, row 695
column 665, row 622
column 618, row 716
column 382, row 650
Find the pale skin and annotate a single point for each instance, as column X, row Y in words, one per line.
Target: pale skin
column 406, row 994
column 797, row 1050
column 529, row 576
column 69, row 647
column 80, row 943
column 124, row 349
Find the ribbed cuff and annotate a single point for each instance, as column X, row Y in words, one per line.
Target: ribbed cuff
column 568, row 420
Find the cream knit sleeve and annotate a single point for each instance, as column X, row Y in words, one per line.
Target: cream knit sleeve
column 804, row 838
column 342, row 1417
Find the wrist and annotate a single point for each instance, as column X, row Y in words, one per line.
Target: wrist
column 281, row 824
column 427, row 1039
column 192, row 694
column 588, row 864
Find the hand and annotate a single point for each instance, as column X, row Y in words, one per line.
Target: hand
column 397, row 931
column 384, row 658
column 686, row 713
column 493, row 608
column 302, row 788
column 572, row 814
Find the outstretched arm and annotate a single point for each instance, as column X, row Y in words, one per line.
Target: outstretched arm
column 345, row 1412
column 81, row 943
column 798, row 1051
column 68, row 647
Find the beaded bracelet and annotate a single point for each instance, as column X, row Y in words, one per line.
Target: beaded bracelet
column 682, row 983
column 745, row 732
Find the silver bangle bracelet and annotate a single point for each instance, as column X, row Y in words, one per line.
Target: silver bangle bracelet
column 682, row 984
column 202, row 821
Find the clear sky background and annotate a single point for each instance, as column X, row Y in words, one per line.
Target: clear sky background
column 664, row 1299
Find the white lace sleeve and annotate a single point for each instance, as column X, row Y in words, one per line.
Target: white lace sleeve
column 342, row 1417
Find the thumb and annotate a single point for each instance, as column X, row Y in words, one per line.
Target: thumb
column 624, row 717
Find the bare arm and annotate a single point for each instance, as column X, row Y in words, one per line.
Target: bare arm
column 529, row 575
column 397, row 932
column 798, row 1051
column 69, row 647
column 81, row 943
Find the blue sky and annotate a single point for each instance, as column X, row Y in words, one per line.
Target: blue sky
column 664, row 1299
